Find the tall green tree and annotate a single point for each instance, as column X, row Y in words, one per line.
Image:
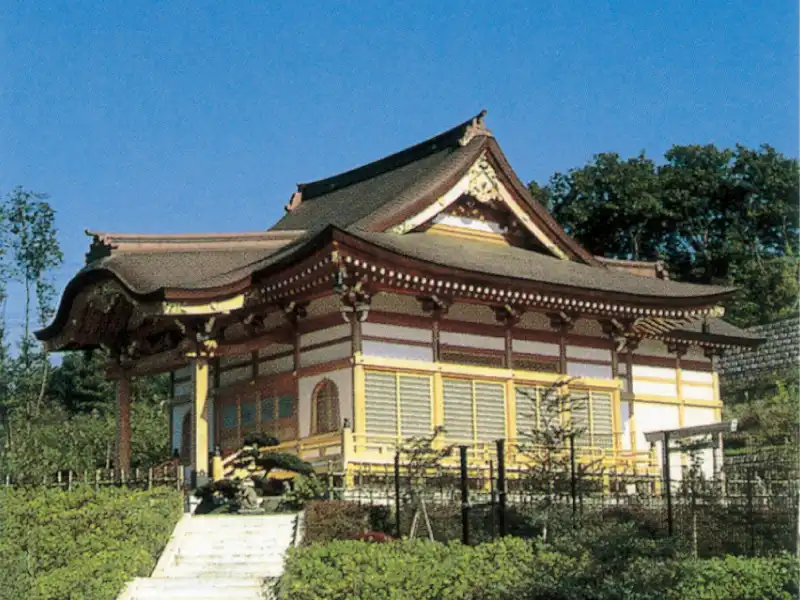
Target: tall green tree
column 716, row 216
column 606, row 191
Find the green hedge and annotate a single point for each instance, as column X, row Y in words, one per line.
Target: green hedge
column 512, row 569
column 57, row 545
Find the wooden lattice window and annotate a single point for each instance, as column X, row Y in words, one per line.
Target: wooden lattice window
column 325, row 402
column 398, row 405
column 474, row 410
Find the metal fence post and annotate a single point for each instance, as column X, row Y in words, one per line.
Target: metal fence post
column 492, row 498
column 397, row 492
column 750, row 512
column 464, row 497
column 573, row 479
column 667, row 483
column 501, row 485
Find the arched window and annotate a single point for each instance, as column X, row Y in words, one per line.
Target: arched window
column 325, row 405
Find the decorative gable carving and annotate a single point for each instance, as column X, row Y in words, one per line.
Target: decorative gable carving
column 480, row 184
column 483, row 185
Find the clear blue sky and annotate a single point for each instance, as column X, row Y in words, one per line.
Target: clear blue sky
column 195, row 116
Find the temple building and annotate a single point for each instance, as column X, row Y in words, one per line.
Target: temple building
column 425, row 289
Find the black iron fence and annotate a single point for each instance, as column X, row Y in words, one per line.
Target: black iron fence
column 747, row 508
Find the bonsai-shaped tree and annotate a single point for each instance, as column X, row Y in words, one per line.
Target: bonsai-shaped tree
column 420, row 456
column 251, row 469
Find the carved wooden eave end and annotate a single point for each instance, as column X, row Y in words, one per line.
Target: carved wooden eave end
column 475, row 128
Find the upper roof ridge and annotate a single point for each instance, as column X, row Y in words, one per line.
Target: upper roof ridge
column 460, row 135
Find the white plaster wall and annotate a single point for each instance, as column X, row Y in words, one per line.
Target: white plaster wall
column 697, row 415
column 577, row 369
column 529, row 347
column 589, row 353
column 399, row 351
column 694, row 415
column 397, row 332
column 655, row 389
column 325, row 354
column 472, row 340
column 657, row 417
column 692, row 392
column 696, row 377
column 469, row 223
column 325, row 335
column 666, row 388
column 343, row 378
column 661, row 372
column 178, row 414
column 276, row 365
column 625, row 414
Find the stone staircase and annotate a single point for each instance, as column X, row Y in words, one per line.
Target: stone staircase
column 215, row 557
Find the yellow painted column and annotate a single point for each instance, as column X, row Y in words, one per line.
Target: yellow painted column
column 359, row 407
column 438, row 400
column 617, row 426
column 511, row 418
column 715, row 382
column 200, row 419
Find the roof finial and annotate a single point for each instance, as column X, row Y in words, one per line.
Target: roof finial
column 475, row 127
column 295, row 200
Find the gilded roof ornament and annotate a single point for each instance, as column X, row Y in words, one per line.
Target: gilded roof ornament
column 483, row 183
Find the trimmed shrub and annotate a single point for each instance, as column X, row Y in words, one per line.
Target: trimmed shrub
column 329, row 520
column 57, row 545
column 413, row 570
column 515, row 569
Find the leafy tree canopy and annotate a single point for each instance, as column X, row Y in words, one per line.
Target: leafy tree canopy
column 714, row 216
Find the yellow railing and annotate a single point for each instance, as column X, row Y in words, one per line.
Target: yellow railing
column 380, row 449
column 345, row 447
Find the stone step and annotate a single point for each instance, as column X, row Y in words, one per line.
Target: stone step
column 198, row 589
column 204, row 570
column 229, row 534
column 202, row 554
column 232, row 547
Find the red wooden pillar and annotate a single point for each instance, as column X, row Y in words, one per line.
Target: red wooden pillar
column 123, row 462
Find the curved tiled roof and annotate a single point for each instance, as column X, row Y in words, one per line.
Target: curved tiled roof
column 363, row 195
column 520, row 263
